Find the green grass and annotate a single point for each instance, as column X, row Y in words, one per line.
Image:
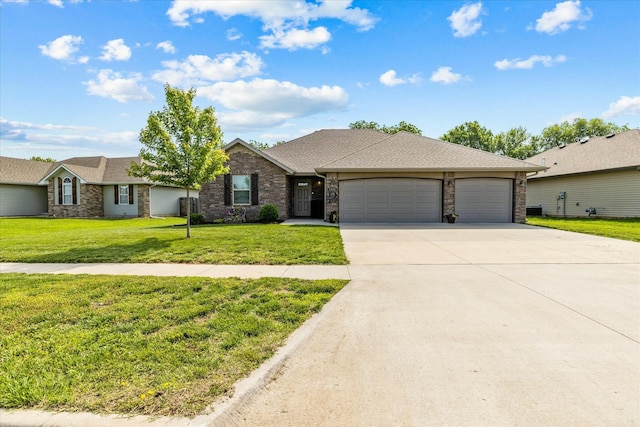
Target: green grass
column 625, row 229
column 162, row 240
column 141, row 345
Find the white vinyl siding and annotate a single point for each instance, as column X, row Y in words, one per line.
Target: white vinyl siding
column 613, row 194
column 22, row 200
column 165, row 201
column 483, row 200
column 391, row 200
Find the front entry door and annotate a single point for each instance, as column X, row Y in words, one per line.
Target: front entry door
column 302, row 201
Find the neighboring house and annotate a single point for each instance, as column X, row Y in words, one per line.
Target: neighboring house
column 20, row 192
column 85, row 187
column 366, row 175
column 593, row 176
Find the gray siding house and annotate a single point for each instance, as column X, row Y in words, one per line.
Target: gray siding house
column 82, row 187
column 598, row 176
column 363, row 175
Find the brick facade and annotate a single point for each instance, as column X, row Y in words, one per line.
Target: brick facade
column 144, row 202
column 91, row 202
column 520, row 198
column 333, row 194
column 272, row 186
column 449, row 193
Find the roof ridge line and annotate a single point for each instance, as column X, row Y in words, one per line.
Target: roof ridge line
column 357, row 151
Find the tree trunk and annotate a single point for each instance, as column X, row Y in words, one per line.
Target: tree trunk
column 188, row 214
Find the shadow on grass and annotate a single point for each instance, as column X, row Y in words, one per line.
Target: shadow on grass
column 109, row 253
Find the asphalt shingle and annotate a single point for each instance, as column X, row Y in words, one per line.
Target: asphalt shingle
column 598, row 153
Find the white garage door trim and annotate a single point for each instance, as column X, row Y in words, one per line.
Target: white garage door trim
column 391, row 200
column 483, row 200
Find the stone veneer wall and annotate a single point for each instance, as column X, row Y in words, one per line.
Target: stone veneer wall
column 91, row 202
column 332, row 194
column 272, row 186
column 448, row 193
column 144, row 201
column 520, row 198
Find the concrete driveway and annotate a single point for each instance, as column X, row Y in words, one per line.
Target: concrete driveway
column 454, row 324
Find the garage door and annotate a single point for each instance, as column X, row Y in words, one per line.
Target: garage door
column 390, row 200
column 483, row 200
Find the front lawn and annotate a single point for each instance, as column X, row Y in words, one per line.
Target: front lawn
column 624, row 228
column 141, row 345
column 163, row 240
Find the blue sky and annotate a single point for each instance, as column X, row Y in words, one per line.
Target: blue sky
column 79, row 78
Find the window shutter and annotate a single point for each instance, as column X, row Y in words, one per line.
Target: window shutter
column 74, row 191
column 59, row 190
column 116, row 194
column 227, row 190
column 130, row 194
column 254, row 189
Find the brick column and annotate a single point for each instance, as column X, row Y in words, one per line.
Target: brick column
column 144, row 202
column 520, row 198
column 449, row 193
column 332, row 194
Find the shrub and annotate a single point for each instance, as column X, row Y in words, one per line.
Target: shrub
column 196, row 219
column 269, row 213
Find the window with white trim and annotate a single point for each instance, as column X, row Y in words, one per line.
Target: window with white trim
column 67, row 192
column 123, row 198
column 241, row 189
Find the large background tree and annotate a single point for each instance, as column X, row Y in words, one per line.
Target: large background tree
column 473, row 135
column 566, row 133
column 519, row 144
column 182, row 145
column 402, row 126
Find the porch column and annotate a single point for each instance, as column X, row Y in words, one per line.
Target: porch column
column 332, row 191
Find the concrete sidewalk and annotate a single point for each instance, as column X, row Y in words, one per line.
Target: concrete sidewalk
column 311, row 272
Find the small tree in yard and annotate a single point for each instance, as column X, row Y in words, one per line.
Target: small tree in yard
column 182, row 145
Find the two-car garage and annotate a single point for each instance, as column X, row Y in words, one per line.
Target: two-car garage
column 421, row 200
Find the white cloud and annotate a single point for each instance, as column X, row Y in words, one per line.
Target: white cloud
column 166, row 46
column 23, row 139
column 62, row 48
column 625, row 106
column 233, row 34
column 466, row 20
column 57, row 3
column 200, row 69
column 390, row 78
column 445, row 75
column 562, row 17
column 527, row 64
column 294, row 39
column 268, row 102
column 116, row 50
column 286, row 21
column 111, row 84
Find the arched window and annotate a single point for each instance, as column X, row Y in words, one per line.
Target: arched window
column 67, row 191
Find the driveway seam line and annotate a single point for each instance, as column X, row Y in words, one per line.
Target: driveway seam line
column 561, row 304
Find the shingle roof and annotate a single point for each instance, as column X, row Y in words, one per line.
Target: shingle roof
column 21, row 171
column 306, row 153
column 341, row 150
column 597, row 154
column 98, row 170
